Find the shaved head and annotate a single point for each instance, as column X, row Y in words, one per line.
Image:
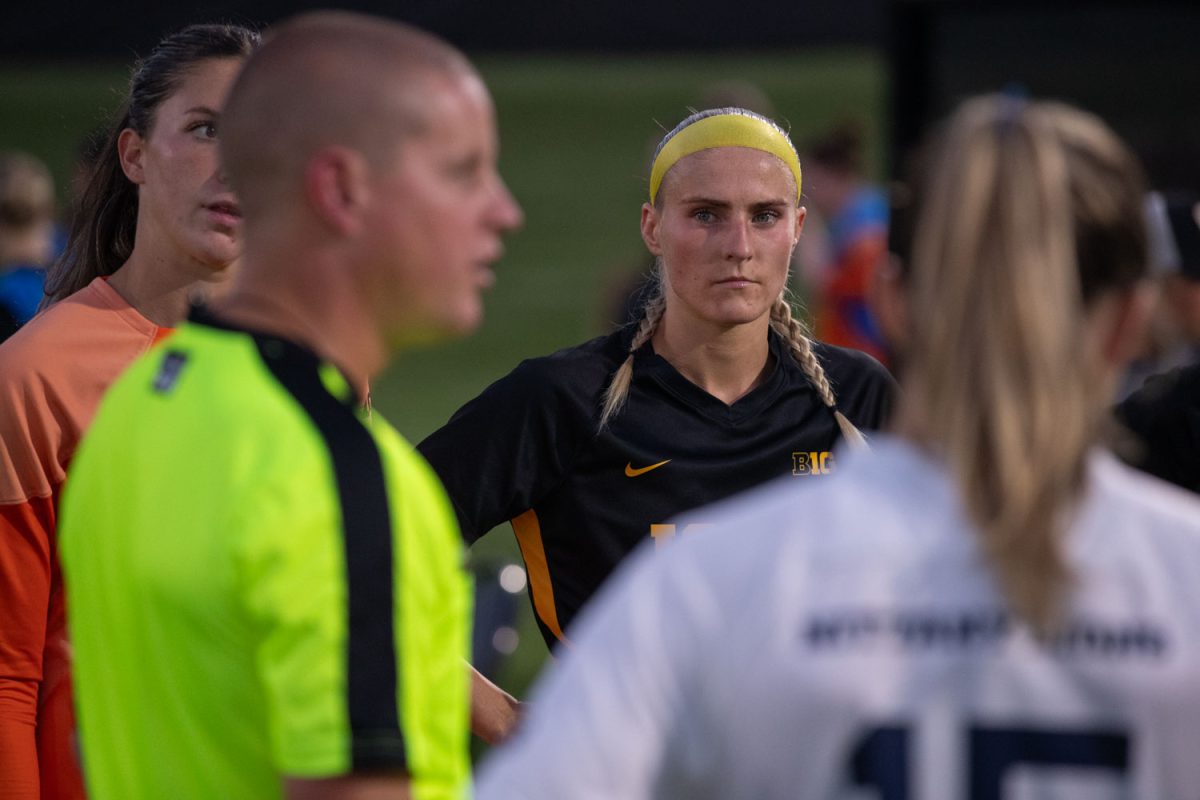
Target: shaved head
column 327, row 79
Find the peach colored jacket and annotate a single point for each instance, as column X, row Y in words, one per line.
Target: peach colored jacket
column 53, row 373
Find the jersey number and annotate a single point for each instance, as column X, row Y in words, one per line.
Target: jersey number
column 881, row 759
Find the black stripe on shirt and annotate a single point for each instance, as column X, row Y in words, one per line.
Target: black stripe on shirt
column 376, row 740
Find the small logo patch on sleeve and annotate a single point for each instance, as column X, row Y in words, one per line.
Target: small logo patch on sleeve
column 168, row 371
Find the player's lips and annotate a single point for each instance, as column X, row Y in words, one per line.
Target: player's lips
column 483, row 267
column 491, row 255
column 735, row 282
column 226, row 212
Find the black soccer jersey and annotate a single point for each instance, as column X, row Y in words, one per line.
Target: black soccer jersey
column 527, row 450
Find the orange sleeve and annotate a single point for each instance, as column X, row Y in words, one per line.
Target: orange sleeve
column 24, row 597
column 37, row 724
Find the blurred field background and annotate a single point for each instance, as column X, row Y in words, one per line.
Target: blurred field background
column 575, row 138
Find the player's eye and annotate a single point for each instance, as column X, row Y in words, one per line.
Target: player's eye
column 204, row 129
column 467, row 170
column 704, row 215
column 766, row 217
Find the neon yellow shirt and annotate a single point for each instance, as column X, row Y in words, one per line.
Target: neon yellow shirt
column 262, row 582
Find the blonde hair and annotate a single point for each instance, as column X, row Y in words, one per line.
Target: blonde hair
column 1028, row 213
column 790, row 329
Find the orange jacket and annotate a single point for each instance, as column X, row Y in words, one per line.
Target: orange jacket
column 53, row 372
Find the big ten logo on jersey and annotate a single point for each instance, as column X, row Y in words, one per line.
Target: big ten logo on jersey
column 661, row 534
column 813, row 462
column 168, row 372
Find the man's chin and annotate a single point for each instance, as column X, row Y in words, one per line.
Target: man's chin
column 437, row 331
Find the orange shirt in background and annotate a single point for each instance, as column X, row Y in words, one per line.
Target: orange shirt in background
column 53, row 372
column 844, row 316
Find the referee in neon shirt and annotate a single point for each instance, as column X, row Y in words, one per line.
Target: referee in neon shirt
column 267, row 591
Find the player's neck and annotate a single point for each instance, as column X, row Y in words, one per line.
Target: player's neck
column 727, row 363
column 160, row 287
column 290, row 311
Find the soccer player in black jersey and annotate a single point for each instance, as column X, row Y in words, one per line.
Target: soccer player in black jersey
column 592, row 450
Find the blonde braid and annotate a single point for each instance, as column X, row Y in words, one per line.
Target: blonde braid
column 618, row 389
column 792, row 331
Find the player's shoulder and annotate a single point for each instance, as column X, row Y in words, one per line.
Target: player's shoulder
column 1134, row 530
column 402, row 457
column 581, row 371
column 37, row 346
column 865, row 390
column 180, row 367
column 598, row 356
column 847, row 366
column 1121, row 491
column 870, row 495
column 92, row 328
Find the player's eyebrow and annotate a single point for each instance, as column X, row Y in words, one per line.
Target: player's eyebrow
column 203, row 110
column 711, row 201
column 705, row 201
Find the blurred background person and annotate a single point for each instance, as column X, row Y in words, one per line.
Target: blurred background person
column 1173, row 340
column 26, row 237
column 716, row 388
column 1164, row 418
column 1164, row 411
column 982, row 601
column 155, row 225
column 853, row 213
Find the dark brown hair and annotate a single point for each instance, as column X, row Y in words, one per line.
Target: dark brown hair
column 105, row 217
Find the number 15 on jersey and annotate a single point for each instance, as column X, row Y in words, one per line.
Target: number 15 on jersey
column 1080, row 763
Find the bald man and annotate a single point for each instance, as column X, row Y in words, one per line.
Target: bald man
column 266, row 581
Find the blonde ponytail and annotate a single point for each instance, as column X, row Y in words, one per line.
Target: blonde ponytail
column 998, row 371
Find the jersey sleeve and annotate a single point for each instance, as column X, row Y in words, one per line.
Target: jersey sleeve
column 24, row 596
column 295, row 586
column 505, row 449
column 604, row 718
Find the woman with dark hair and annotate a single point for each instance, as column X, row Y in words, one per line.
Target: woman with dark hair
column 156, row 225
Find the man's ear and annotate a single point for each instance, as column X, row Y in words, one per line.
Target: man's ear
column 651, row 220
column 130, row 150
column 337, row 188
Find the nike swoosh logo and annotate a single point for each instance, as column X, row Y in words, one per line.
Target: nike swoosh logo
column 633, row 473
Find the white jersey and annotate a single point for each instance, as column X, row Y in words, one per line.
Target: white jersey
column 850, row 642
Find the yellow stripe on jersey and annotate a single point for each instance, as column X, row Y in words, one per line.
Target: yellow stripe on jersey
column 529, row 539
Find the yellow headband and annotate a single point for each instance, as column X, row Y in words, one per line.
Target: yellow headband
column 724, row 130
